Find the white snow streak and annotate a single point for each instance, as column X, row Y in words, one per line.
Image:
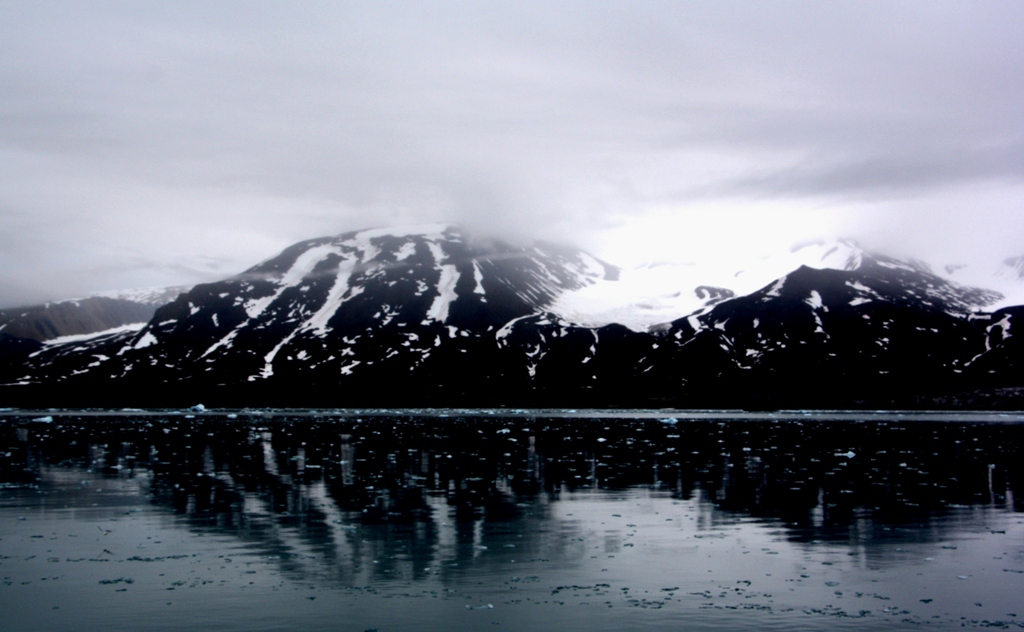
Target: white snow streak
column 303, row 265
column 446, row 294
column 776, row 289
column 97, row 334
column 335, row 297
column 478, row 276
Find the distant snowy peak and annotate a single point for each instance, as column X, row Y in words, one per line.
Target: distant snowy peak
column 1007, row 279
column 87, row 316
column 652, row 295
column 656, row 293
column 155, row 296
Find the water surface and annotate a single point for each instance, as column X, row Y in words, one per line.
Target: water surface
column 569, row 520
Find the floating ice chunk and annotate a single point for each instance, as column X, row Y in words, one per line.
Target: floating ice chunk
column 670, row 421
column 198, row 408
column 43, row 420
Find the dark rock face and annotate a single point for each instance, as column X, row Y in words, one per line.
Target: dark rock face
column 423, row 317
column 881, row 331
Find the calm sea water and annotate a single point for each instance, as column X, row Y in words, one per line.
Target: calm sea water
column 514, row 521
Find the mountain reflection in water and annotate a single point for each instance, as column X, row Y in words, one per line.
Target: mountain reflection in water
column 373, row 501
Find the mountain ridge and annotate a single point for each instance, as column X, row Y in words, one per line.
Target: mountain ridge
column 443, row 320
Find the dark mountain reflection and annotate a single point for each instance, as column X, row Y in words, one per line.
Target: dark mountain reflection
column 339, row 499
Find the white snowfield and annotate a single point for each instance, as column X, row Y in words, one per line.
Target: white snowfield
column 660, row 293
column 1006, row 280
column 651, row 295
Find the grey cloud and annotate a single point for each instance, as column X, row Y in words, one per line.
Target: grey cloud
column 161, row 128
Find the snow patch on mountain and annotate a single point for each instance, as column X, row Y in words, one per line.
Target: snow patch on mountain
column 657, row 293
column 446, row 294
column 302, row 267
column 147, row 340
column 478, row 277
column 62, row 340
column 317, row 323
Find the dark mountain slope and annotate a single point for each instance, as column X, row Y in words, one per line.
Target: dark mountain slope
column 423, row 317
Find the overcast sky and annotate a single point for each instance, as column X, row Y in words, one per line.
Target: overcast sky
column 157, row 143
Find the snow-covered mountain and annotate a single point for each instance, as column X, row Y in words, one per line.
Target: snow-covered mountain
column 654, row 294
column 426, row 316
column 83, row 316
column 1006, row 278
column 372, row 304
